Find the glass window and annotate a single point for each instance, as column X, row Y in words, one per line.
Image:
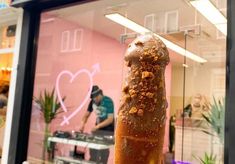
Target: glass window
column 7, row 43
column 80, row 57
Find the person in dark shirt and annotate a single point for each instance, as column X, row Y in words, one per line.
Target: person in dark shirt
column 103, row 107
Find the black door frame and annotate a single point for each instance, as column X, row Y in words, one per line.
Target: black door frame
column 26, row 72
column 229, row 140
column 23, row 90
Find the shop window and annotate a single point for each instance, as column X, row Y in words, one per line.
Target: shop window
column 65, row 41
column 7, row 45
column 171, row 21
column 155, row 22
column 71, row 40
column 81, row 51
column 77, row 40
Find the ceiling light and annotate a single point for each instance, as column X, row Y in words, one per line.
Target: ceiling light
column 211, row 13
column 185, row 65
column 127, row 23
column 47, row 20
column 3, row 68
column 118, row 18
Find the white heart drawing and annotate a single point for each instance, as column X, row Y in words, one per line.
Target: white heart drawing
column 73, row 76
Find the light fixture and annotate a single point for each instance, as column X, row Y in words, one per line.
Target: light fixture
column 6, row 70
column 211, row 13
column 3, row 68
column 47, row 20
column 185, row 65
column 118, row 18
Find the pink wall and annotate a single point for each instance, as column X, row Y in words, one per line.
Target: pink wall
column 168, row 94
column 95, row 48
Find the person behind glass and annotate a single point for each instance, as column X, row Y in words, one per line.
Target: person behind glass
column 103, row 107
column 3, row 99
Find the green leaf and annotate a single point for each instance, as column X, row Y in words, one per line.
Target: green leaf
column 208, row 132
column 49, row 104
column 207, row 159
column 215, row 118
column 206, row 118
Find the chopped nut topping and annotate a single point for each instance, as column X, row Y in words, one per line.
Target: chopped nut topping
column 163, row 45
column 133, row 110
column 160, row 53
column 128, row 64
column 136, row 73
column 140, row 112
column 134, row 86
column 132, row 78
column 142, row 106
column 144, row 92
column 132, row 91
column 127, row 98
column 149, row 95
column 145, row 53
column 161, row 84
column 155, row 87
column 125, row 89
column 139, row 43
column 133, row 95
column 145, row 49
column 147, row 74
column 155, row 58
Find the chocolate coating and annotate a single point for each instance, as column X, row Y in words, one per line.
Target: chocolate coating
column 141, row 117
column 148, row 47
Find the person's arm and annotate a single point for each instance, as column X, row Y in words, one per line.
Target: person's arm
column 86, row 116
column 105, row 123
column 84, row 120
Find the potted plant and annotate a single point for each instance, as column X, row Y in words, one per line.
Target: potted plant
column 49, row 106
column 215, row 119
column 207, row 159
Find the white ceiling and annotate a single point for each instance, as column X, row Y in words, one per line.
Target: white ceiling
column 208, row 44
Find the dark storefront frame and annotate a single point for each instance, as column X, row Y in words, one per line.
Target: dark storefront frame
column 26, row 71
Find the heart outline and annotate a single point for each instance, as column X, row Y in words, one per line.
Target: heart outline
column 73, row 76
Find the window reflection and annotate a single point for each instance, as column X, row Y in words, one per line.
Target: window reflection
column 85, row 48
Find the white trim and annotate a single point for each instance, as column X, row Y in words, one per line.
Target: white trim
column 151, row 18
column 6, row 50
column 10, row 107
column 64, row 46
column 61, row 160
column 176, row 12
column 48, row 20
column 75, row 39
column 70, row 42
column 86, row 144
